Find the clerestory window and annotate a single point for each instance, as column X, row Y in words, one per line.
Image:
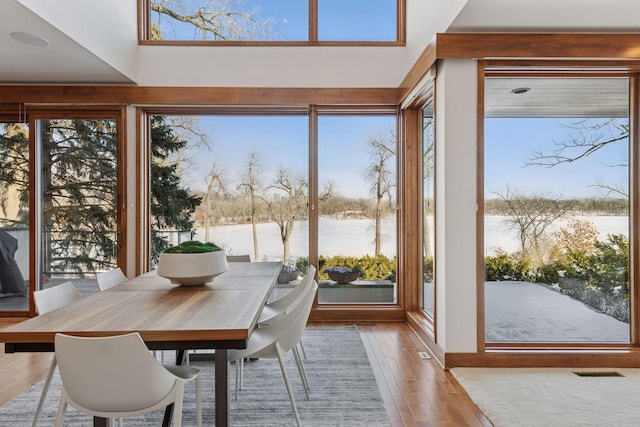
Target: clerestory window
column 260, row 22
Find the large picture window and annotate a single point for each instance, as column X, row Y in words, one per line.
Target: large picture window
column 357, row 172
column 556, row 217
column 241, row 179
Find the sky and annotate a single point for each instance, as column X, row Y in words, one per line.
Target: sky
column 282, row 141
column 510, row 141
column 338, row 20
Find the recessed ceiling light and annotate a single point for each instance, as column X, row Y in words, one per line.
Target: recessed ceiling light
column 29, row 39
column 520, row 90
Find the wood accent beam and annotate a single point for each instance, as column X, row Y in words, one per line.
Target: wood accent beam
column 424, row 62
column 536, row 46
column 196, row 95
column 528, row 45
column 349, row 313
column 543, row 359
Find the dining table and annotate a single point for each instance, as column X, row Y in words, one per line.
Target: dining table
column 218, row 315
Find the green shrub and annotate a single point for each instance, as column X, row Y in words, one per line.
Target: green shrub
column 551, row 272
column 506, row 267
column 193, row 247
column 373, row 268
column 427, row 269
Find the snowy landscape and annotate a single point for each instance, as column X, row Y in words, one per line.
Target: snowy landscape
column 514, row 311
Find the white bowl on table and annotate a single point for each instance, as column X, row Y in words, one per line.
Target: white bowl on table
column 192, row 269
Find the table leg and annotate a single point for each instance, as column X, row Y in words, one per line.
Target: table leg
column 100, row 422
column 222, row 388
column 168, row 412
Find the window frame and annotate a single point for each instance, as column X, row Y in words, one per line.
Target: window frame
column 506, row 69
column 144, row 21
column 323, row 312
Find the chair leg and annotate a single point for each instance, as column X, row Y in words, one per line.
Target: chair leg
column 239, row 374
column 301, row 371
column 45, row 390
column 177, row 405
column 304, row 352
column 286, row 383
column 237, row 378
column 62, row 408
column 198, row 401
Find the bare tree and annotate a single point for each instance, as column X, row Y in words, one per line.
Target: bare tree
column 211, row 19
column 215, row 191
column 530, row 216
column 381, row 174
column 588, row 137
column 287, row 204
column 428, row 169
column 251, row 185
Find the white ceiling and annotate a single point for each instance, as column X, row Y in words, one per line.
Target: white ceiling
column 64, row 60
column 95, row 41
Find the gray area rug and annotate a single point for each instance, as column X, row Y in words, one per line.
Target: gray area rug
column 343, row 391
column 554, row 397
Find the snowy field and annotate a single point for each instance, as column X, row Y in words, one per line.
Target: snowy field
column 354, row 237
column 498, row 235
column 348, row 237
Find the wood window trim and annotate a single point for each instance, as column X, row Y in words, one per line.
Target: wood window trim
column 497, row 353
column 321, row 312
column 117, row 113
column 144, row 22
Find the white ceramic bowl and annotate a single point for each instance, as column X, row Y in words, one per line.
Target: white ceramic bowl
column 192, row 269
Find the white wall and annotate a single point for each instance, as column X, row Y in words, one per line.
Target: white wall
column 456, row 205
column 272, row 66
column 549, row 16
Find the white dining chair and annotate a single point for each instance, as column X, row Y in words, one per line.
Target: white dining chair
column 47, row 300
column 276, row 339
column 274, row 310
column 111, row 278
column 278, row 307
column 117, row 377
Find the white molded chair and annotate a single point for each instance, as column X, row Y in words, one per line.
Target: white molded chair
column 110, row 278
column 274, row 309
column 277, row 308
column 47, row 300
column 116, row 377
column 277, row 338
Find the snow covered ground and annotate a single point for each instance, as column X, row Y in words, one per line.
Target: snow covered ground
column 514, row 311
column 529, row 312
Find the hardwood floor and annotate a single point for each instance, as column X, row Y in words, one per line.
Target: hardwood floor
column 416, row 392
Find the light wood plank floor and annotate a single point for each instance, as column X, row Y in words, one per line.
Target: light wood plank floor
column 416, row 392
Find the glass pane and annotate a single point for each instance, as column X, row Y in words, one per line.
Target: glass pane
column 231, row 20
column 14, row 217
column 78, row 204
column 356, row 216
column 557, row 210
column 238, row 181
column 357, row 20
column 428, row 214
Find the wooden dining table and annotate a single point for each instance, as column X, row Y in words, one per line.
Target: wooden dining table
column 218, row 315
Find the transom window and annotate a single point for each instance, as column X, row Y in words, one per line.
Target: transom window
column 272, row 22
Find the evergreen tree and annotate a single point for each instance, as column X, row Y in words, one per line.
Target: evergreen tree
column 171, row 205
column 78, row 200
